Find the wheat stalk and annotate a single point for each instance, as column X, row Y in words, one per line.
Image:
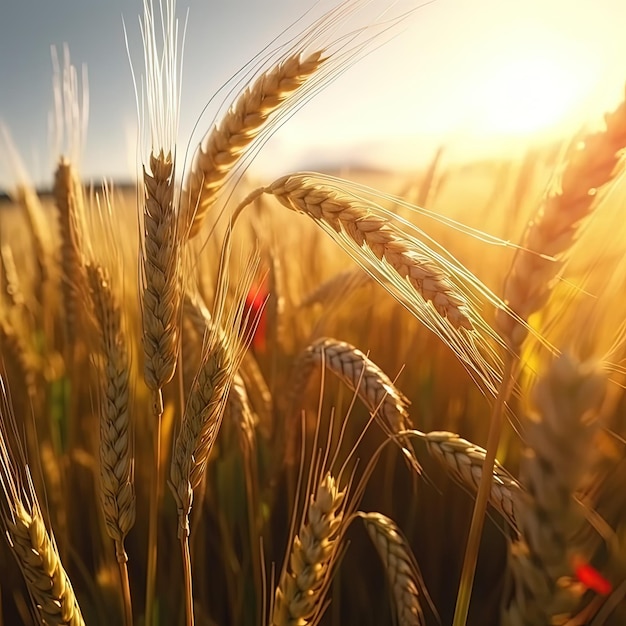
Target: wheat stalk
column 351, row 217
column 359, row 373
column 400, row 566
column 557, row 223
column 116, row 454
column 160, row 254
column 34, row 549
column 567, row 398
column 225, row 144
column 302, row 584
column 465, row 460
column 68, row 198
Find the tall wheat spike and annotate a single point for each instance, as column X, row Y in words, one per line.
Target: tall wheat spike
column 68, row 197
column 116, row 450
column 567, row 399
column 225, row 144
column 160, row 257
column 557, row 223
column 299, row 596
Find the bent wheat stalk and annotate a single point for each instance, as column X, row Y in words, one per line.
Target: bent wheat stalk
column 226, row 143
column 553, row 230
column 464, row 461
column 20, row 516
column 401, row 567
column 345, row 214
column 359, row 373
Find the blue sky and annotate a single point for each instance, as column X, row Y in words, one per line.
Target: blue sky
column 462, row 72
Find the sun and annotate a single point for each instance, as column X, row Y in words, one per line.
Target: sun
column 528, row 94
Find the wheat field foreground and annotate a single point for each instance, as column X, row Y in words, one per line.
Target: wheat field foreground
column 380, row 398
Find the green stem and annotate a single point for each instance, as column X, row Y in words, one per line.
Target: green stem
column 122, row 560
column 184, row 545
column 155, row 500
column 468, row 572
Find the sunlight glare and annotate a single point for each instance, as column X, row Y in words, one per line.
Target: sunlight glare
column 529, row 94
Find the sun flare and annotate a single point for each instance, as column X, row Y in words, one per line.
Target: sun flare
column 527, row 95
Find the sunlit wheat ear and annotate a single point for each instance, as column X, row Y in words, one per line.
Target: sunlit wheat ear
column 557, row 223
column 233, row 135
column 400, row 565
column 160, row 253
column 10, row 287
column 359, row 373
column 567, row 399
column 70, row 120
column 198, row 315
column 303, row 582
column 223, row 351
column 162, row 273
column 32, row 545
column 200, row 426
column 160, row 257
column 116, row 449
column 464, row 462
column 371, row 233
column 419, row 278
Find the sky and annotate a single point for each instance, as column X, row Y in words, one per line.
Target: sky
column 473, row 75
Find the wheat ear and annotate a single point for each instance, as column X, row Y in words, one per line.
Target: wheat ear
column 303, row 582
column 359, row 373
column 162, row 273
column 200, row 425
column 567, row 399
column 401, row 567
column 226, row 143
column 116, row 458
column 351, row 217
column 199, row 317
column 464, row 461
column 35, row 551
column 68, row 198
column 116, row 453
column 11, row 290
column 19, row 357
column 553, row 230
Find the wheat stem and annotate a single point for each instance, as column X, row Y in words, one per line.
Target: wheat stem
column 468, row 570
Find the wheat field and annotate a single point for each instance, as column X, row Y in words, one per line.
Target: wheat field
column 375, row 398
